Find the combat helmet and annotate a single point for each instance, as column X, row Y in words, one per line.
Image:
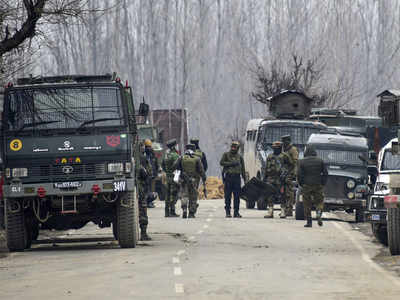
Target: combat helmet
column 171, row 143
column 190, row 147
column 286, row 138
column 148, row 143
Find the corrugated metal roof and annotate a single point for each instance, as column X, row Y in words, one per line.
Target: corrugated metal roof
column 287, row 92
column 391, row 92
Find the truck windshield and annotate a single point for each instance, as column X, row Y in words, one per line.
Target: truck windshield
column 145, row 133
column 390, row 161
column 63, row 107
column 341, row 157
column 298, row 134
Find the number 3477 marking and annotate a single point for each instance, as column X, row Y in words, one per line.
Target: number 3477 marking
column 119, row 186
column 16, row 189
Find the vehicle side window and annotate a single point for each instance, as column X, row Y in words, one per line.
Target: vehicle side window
column 254, row 135
column 248, row 135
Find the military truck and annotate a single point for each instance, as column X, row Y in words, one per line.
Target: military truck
column 69, row 147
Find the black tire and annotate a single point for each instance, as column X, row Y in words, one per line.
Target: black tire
column 360, row 218
column 128, row 220
column 380, row 233
column 393, row 230
column 261, row 204
column 250, row 204
column 299, row 211
column 16, row 235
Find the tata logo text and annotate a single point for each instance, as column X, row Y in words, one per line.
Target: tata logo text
column 67, row 169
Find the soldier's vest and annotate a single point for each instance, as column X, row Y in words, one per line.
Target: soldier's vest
column 169, row 160
column 198, row 153
column 189, row 165
column 274, row 165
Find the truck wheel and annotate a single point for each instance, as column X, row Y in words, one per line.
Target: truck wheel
column 127, row 220
column 250, row 204
column 380, row 233
column 360, row 215
column 299, row 211
column 261, row 204
column 393, row 229
column 16, row 235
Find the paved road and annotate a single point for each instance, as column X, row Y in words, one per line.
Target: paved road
column 209, row 257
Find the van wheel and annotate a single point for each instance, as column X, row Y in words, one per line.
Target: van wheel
column 127, row 220
column 299, row 211
column 250, row 204
column 16, row 235
column 261, row 204
column 393, row 230
column 380, row 233
column 360, row 215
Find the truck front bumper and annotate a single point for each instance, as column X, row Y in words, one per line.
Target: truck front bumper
column 353, row 203
column 18, row 190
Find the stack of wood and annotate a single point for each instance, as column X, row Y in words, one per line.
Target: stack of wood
column 215, row 188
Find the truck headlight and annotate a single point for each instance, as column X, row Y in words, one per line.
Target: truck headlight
column 350, row 195
column 115, row 167
column 8, row 172
column 350, row 183
column 19, row 172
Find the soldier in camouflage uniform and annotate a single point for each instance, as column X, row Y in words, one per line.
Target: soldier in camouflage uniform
column 170, row 157
column 233, row 167
column 312, row 176
column 291, row 150
column 276, row 168
column 192, row 170
column 144, row 175
column 200, row 153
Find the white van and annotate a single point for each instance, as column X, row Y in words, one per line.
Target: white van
column 252, row 164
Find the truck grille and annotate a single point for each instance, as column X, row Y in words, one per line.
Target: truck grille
column 335, row 187
column 66, row 172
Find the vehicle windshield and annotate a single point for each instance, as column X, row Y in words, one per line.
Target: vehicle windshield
column 390, row 161
column 298, row 134
column 343, row 157
column 349, row 122
column 63, row 107
column 145, row 133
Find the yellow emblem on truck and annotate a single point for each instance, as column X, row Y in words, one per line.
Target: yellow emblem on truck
column 16, row 145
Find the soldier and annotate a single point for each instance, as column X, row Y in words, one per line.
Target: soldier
column 170, row 157
column 152, row 159
column 312, row 176
column 233, row 165
column 143, row 172
column 289, row 188
column 191, row 171
column 200, row 153
column 276, row 174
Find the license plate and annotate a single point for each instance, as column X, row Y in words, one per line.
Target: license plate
column 67, row 185
column 119, row 186
column 375, row 217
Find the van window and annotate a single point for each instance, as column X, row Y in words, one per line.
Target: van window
column 390, row 161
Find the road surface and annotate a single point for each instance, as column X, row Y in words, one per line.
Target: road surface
column 209, row 257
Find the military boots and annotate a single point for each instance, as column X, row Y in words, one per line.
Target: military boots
column 172, row 212
column 319, row 217
column 270, row 213
column 184, row 214
column 283, row 213
column 143, row 233
column 191, row 215
column 236, row 214
column 228, row 213
column 309, row 222
column 289, row 212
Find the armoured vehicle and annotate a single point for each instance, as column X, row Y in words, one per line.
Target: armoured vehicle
column 69, row 148
column 345, row 156
column 258, row 145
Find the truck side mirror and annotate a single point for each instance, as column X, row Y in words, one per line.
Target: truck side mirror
column 144, row 109
column 395, row 148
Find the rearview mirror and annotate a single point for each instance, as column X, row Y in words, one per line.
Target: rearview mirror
column 144, row 109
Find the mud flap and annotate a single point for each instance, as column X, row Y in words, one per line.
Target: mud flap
column 255, row 188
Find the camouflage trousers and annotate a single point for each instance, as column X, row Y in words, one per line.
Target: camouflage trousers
column 190, row 194
column 276, row 197
column 143, row 190
column 172, row 192
column 313, row 195
column 289, row 194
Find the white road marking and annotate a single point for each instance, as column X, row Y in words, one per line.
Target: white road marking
column 192, row 238
column 365, row 256
column 175, row 260
column 180, row 252
column 205, row 226
column 177, row 271
column 200, row 232
column 208, row 220
column 179, row 288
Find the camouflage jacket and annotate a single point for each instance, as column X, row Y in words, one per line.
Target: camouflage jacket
column 233, row 164
column 293, row 154
column 275, row 166
column 170, row 157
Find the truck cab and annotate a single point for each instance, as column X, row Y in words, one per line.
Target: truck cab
column 69, row 150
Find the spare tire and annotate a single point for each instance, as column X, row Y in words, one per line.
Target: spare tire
column 299, row 211
column 16, row 235
column 393, row 230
